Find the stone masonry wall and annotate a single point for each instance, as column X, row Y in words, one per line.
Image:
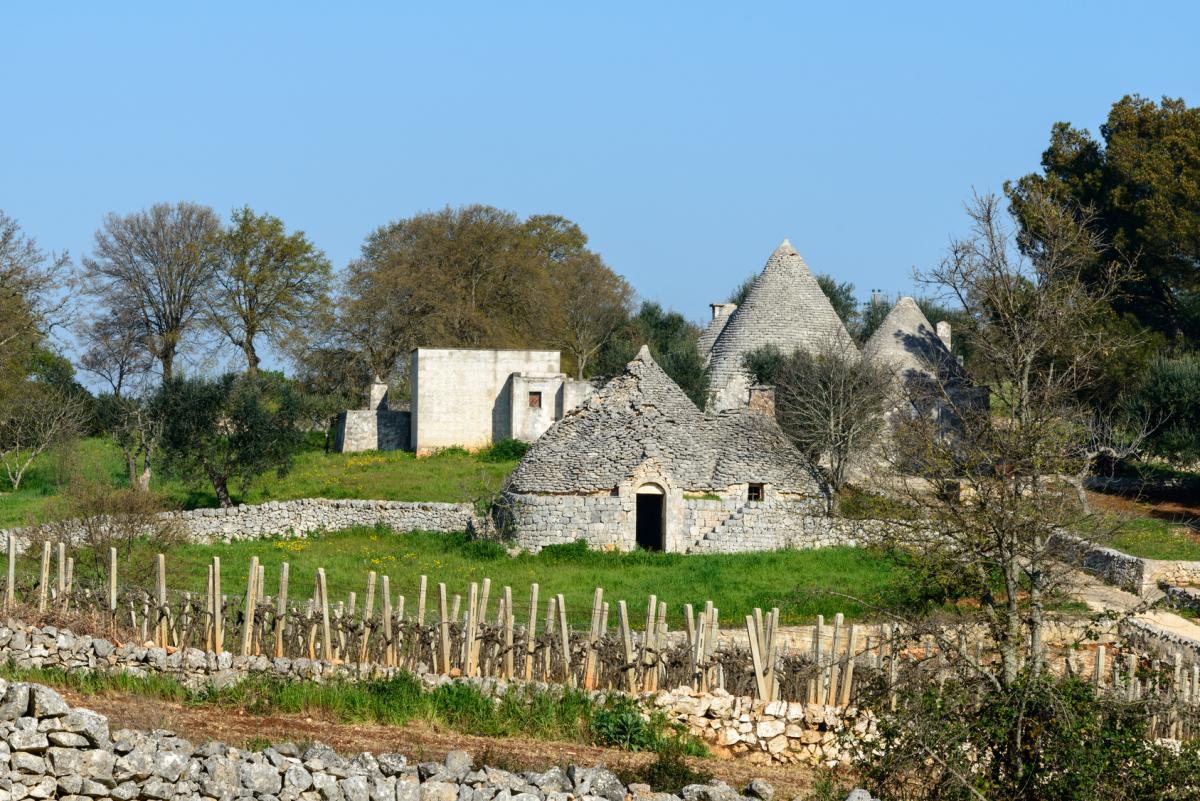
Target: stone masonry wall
column 707, row 525
column 300, row 517
column 372, row 430
column 778, row 731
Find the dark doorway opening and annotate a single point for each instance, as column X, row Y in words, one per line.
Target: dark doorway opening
column 650, row 522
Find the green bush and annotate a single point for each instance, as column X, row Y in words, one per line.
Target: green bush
column 764, row 363
column 1038, row 739
column 1169, row 399
column 504, row 450
column 620, row 724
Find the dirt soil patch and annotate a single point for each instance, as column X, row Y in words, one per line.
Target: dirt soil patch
column 1185, row 512
column 418, row 741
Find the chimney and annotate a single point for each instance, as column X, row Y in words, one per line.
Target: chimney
column 377, row 395
column 720, row 310
column 877, row 297
column 943, row 332
column 762, row 400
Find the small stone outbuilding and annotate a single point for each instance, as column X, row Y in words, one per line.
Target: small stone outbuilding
column 638, row 465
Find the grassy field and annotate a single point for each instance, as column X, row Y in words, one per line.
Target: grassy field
column 569, row 716
column 802, row 584
column 1151, row 538
column 392, row 475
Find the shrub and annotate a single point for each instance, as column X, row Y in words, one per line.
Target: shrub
column 95, row 516
column 505, row 450
column 1169, row 399
column 1038, row 738
column 620, row 724
column 764, row 363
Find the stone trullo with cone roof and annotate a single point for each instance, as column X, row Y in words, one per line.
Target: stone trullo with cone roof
column 638, row 464
column 926, row 377
column 784, row 307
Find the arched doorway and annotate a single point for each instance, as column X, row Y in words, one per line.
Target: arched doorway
column 650, row 517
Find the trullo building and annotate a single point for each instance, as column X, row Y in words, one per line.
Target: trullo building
column 637, row 464
column 784, row 307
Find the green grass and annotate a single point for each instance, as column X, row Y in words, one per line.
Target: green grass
column 802, row 584
column 454, row 476
column 569, row 715
column 1151, row 538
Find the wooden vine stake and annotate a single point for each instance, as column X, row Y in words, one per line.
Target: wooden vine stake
column 326, row 638
column 281, row 608
column 443, row 630
column 589, row 668
column 251, row 599
column 508, row 633
column 564, row 633
column 160, row 598
column 531, row 632
column 389, row 647
column 10, row 589
column 629, row 668
column 218, row 607
column 43, row 589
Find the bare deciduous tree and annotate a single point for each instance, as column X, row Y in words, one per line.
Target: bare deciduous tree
column 995, row 495
column 34, row 417
column 831, row 404
column 115, row 349
column 156, row 265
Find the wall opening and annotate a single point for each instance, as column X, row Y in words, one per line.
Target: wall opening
column 649, row 519
column 535, row 400
column 755, row 493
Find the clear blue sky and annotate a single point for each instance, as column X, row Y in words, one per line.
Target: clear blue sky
column 686, row 139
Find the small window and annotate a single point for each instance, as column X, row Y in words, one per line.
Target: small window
column 755, row 493
column 535, row 400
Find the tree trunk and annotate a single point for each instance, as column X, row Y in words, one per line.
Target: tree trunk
column 221, row 488
column 168, row 363
column 252, row 359
column 143, row 480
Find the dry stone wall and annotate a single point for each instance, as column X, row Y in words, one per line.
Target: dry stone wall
column 51, row 750
column 301, row 517
column 761, row 731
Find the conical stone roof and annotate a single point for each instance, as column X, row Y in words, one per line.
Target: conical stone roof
column 641, row 415
column 784, row 307
column 907, row 343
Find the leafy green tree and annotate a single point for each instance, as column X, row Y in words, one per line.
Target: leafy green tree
column 1142, row 181
column 229, row 429
column 841, row 297
column 1169, row 399
column 28, row 308
column 476, row 276
column 672, row 340
column 765, row 363
column 268, row 284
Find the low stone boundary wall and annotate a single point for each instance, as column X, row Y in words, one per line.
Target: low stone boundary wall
column 1146, row 636
column 760, row 731
column 300, row 517
column 1181, row 597
column 1132, row 573
column 51, row 750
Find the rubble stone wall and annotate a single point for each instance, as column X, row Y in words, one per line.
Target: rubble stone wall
column 778, row 731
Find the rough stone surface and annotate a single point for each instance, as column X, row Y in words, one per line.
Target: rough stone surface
column 298, row 518
column 784, row 307
column 582, row 479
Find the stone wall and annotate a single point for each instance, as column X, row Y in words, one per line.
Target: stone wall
column 694, row 525
column 300, row 517
column 463, row 396
column 767, row 732
column 1132, row 573
column 372, row 430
